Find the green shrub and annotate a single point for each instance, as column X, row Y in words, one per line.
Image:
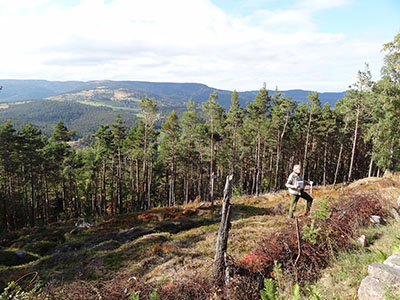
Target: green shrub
column 323, row 211
column 296, row 292
column 14, row 292
column 310, row 232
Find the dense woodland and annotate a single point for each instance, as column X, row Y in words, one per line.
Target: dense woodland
column 135, row 168
column 83, row 119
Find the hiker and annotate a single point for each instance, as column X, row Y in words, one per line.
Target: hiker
column 295, row 184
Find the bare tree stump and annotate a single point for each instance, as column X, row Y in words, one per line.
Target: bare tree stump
column 220, row 267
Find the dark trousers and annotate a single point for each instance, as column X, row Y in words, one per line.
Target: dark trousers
column 295, row 198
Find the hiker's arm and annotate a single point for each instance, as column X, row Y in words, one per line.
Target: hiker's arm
column 289, row 183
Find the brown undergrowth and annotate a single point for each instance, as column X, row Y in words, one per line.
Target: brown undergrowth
column 263, row 244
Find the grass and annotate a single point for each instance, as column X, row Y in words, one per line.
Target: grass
column 350, row 267
column 114, row 106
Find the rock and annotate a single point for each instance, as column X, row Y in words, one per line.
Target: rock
column 388, row 173
column 63, row 249
column 20, row 253
column 395, row 213
column 377, row 220
column 382, row 278
column 393, row 261
column 371, row 289
column 82, row 223
column 362, row 240
column 398, row 201
column 384, row 273
column 76, row 230
column 87, row 246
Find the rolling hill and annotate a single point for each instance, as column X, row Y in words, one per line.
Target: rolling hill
column 172, row 93
column 84, row 106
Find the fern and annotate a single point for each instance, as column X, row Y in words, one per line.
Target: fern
column 314, row 294
column 270, row 290
column 134, row 296
column 14, row 291
column 296, row 292
column 154, row 295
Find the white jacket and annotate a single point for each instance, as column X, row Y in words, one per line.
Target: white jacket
column 293, row 182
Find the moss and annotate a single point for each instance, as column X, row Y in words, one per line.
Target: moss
column 41, row 247
column 10, row 258
column 113, row 261
column 107, row 246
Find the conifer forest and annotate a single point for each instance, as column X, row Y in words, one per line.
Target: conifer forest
column 126, row 169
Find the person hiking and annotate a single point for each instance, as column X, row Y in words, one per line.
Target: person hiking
column 295, row 184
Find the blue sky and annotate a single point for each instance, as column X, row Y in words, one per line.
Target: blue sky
column 295, row 44
column 356, row 17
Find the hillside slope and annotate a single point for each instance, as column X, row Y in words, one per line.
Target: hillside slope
column 172, row 249
column 172, row 93
column 84, row 118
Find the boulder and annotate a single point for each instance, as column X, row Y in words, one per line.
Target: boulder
column 382, row 278
column 82, row 223
column 384, row 273
column 371, row 289
column 395, row 213
column 362, row 240
column 393, row 261
column 20, row 253
column 377, row 220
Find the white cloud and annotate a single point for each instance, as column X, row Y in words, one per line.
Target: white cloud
column 177, row 40
column 316, row 5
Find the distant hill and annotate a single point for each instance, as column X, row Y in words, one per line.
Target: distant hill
column 172, row 94
column 84, row 106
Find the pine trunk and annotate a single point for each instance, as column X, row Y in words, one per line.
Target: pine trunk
column 354, row 141
column 306, row 145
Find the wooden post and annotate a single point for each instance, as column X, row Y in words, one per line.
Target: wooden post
column 298, row 241
column 220, row 265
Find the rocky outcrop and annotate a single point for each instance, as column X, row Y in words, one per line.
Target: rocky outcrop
column 383, row 279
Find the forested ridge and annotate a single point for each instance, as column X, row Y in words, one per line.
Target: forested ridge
column 129, row 169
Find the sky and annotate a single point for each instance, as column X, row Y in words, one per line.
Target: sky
column 314, row 45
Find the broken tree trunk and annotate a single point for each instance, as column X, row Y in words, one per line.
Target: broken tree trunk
column 220, row 267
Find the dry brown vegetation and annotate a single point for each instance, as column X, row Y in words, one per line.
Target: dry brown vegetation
column 172, row 250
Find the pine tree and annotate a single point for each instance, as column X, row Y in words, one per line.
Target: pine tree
column 386, row 110
column 314, row 111
column 325, row 130
column 258, row 111
column 134, row 148
column 103, row 147
column 7, row 167
column 189, row 124
column 234, row 120
column 32, row 144
column 171, row 130
column 356, row 97
column 119, row 132
column 214, row 111
column 150, row 112
column 282, row 110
